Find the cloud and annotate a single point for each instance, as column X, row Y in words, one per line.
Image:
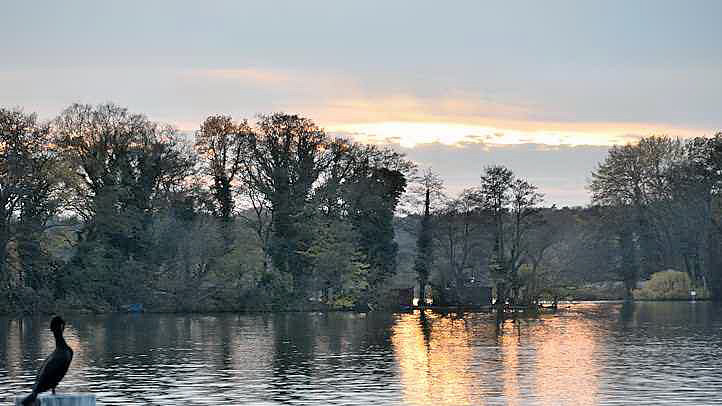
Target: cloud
column 338, row 101
column 562, row 172
column 500, row 132
column 253, row 75
column 456, row 134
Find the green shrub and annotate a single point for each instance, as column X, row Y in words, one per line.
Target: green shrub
column 665, row 285
column 593, row 291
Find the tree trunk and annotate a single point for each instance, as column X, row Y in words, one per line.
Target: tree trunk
column 500, row 301
column 4, row 276
column 459, row 282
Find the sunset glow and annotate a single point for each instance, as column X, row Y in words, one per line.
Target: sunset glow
column 409, row 203
column 411, row 134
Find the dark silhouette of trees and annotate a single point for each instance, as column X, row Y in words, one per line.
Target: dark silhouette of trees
column 663, row 193
column 697, row 183
column 494, row 198
column 373, row 195
column 427, row 191
column 636, row 176
column 287, row 156
column 125, row 169
column 30, row 195
column 220, row 144
column 102, row 207
column 513, row 206
column 298, row 186
column 458, row 237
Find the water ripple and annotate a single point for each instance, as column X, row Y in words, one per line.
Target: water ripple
column 655, row 353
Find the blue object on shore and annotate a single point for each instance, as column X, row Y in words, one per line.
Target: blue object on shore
column 135, row 308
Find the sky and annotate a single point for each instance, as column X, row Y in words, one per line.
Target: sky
column 544, row 87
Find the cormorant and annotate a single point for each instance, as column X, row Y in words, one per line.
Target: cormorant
column 55, row 366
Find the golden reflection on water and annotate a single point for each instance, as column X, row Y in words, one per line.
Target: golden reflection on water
column 509, row 347
column 434, row 354
column 566, row 368
column 443, row 361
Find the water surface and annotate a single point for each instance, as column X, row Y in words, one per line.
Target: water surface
column 586, row 354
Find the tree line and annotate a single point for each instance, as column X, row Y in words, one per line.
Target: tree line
column 102, row 207
column 655, row 206
column 662, row 201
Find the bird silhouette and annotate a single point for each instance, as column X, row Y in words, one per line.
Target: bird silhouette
column 55, row 366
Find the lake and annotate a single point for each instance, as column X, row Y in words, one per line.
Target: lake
column 585, row 354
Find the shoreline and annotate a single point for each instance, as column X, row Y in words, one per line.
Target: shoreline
column 440, row 309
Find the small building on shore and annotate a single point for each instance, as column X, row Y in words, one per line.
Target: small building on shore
column 405, row 297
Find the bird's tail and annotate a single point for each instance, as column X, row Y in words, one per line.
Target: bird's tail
column 30, row 399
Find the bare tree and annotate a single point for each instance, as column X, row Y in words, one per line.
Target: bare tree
column 458, row 238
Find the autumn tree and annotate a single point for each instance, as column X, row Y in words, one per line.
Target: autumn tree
column 30, row 193
column 220, row 142
column 286, row 156
column 125, row 167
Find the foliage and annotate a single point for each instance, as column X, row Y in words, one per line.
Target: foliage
column 513, row 208
column 31, row 193
column 665, row 285
column 219, row 142
column 257, row 215
column 457, row 237
column 101, row 208
column 668, row 193
column 370, row 196
column 589, row 291
column 426, row 193
column 340, row 273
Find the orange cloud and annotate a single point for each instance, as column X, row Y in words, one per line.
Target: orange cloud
column 345, row 104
